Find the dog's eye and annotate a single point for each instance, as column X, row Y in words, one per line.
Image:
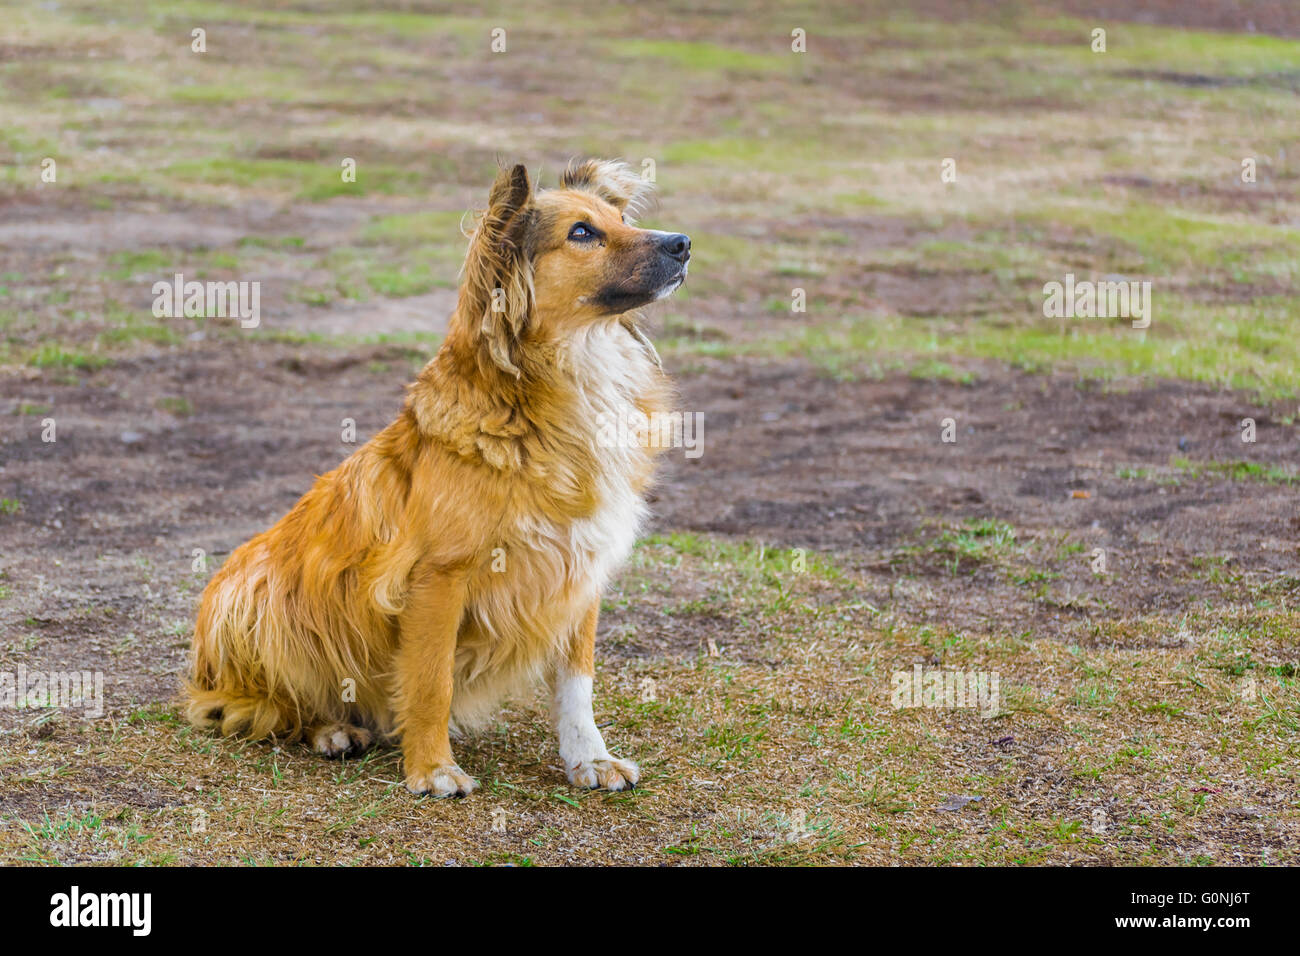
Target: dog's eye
column 581, row 232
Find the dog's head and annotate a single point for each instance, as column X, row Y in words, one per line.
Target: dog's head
column 542, row 263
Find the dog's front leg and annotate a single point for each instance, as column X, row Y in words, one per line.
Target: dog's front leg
column 582, row 749
column 426, row 657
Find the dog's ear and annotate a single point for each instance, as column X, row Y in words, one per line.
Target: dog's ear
column 496, row 296
column 612, row 180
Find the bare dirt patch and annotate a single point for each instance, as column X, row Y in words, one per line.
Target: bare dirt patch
column 798, row 460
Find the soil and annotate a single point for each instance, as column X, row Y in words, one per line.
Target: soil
column 113, row 510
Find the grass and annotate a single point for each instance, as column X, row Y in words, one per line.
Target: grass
column 700, row 57
column 57, row 356
column 787, row 753
column 1030, row 213
column 180, row 407
column 982, row 539
column 749, row 677
column 1257, row 358
column 1181, row 468
column 311, row 181
column 1155, row 240
column 1236, row 471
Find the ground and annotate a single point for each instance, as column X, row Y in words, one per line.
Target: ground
column 1096, row 534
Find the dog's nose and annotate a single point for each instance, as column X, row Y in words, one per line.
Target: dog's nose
column 677, row 245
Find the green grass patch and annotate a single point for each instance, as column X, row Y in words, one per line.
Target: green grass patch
column 54, row 355
column 304, row 180
column 702, row 57
column 1236, row 471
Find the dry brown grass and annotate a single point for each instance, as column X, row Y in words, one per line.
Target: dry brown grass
column 1166, row 741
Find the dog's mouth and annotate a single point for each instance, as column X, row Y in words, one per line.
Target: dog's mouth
column 622, row 298
column 672, row 285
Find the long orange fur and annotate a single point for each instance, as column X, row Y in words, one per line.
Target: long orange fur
column 459, row 555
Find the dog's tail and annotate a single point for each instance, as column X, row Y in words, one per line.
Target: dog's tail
column 229, row 689
column 231, row 713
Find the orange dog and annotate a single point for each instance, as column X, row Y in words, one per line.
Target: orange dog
column 460, row 555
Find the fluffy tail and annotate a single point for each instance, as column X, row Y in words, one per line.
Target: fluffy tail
column 235, row 714
column 298, row 626
column 229, row 689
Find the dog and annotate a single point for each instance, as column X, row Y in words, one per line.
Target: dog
column 460, row 555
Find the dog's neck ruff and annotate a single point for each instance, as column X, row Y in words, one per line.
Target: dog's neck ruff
column 553, row 412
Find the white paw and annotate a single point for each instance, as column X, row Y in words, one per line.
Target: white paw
column 445, row 781
column 607, row 773
column 337, row 740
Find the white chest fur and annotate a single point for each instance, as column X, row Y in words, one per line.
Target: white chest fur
column 545, row 571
